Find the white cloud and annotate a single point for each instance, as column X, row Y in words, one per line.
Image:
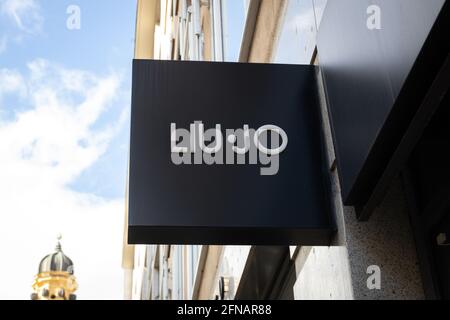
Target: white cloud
column 301, row 22
column 24, row 17
column 26, row 14
column 11, row 81
column 42, row 151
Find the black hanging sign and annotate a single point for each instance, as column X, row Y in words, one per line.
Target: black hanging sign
column 227, row 154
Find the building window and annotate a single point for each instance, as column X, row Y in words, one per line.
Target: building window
column 234, row 14
column 297, row 40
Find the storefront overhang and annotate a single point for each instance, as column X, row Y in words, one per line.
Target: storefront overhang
column 384, row 82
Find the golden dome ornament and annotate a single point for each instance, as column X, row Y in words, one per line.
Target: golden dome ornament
column 55, row 279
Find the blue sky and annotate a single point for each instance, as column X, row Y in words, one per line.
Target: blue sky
column 234, row 23
column 64, row 135
column 104, row 42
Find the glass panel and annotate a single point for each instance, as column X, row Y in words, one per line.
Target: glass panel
column 298, row 34
column 234, row 14
column 319, row 7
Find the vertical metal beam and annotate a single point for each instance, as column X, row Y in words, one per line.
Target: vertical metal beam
column 217, row 34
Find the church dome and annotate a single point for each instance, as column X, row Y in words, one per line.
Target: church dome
column 56, row 261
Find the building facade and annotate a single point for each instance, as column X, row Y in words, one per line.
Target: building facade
column 384, row 255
